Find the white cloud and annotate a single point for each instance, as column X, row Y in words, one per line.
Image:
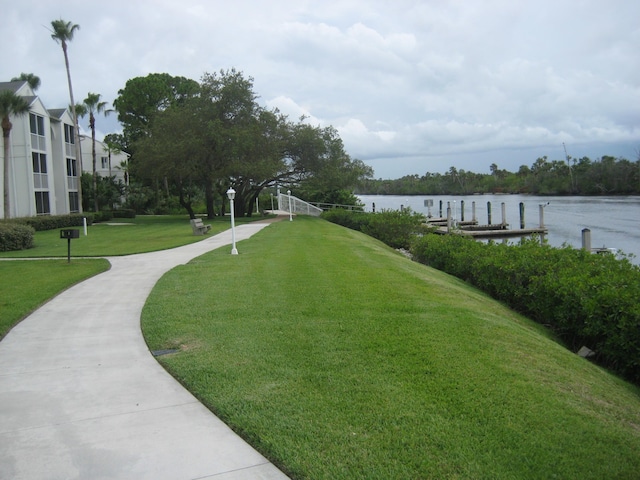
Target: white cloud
column 409, row 85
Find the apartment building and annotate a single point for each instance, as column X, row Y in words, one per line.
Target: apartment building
column 43, row 169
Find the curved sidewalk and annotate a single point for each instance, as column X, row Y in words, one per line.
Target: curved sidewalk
column 81, row 396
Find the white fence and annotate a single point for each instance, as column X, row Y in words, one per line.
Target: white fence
column 289, row 203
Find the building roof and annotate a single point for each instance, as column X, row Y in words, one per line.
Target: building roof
column 12, row 86
column 56, row 113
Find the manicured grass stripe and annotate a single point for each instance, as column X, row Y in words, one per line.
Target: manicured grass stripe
column 339, row 358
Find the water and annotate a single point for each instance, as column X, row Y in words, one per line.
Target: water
column 614, row 221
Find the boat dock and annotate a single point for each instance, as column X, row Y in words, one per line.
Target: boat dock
column 472, row 228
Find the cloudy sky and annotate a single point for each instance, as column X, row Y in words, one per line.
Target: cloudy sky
column 412, row 86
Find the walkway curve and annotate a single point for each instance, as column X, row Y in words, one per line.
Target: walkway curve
column 81, row 397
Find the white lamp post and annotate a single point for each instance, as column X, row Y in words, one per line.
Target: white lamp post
column 231, row 193
column 290, row 213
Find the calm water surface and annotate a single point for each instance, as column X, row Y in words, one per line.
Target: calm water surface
column 614, row 221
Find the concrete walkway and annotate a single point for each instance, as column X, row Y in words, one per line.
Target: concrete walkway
column 81, row 396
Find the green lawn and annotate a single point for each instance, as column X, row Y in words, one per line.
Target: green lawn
column 338, row 358
column 123, row 236
column 25, row 285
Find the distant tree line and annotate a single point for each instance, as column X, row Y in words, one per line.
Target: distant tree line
column 605, row 176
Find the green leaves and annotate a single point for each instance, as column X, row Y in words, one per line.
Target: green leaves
column 586, row 299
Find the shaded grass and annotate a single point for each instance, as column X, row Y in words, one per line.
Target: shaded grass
column 338, row 358
column 27, row 284
column 123, row 236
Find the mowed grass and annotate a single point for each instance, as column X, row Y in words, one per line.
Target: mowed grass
column 338, row 358
column 27, row 284
column 123, row 236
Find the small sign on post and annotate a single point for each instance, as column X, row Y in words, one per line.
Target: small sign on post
column 69, row 233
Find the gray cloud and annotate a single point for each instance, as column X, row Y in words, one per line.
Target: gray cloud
column 412, row 86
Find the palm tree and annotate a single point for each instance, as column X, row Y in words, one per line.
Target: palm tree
column 62, row 33
column 10, row 104
column 30, row 78
column 113, row 147
column 93, row 105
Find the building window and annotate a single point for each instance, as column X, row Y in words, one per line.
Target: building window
column 105, row 163
column 72, row 167
column 38, row 141
column 37, row 124
column 74, row 205
column 69, row 137
column 72, row 174
column 42, row 203
column 69, row 141
column 39, row 161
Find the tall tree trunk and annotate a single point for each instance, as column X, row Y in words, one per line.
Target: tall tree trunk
column 6, row 133
column 208, row 196
column 76, row 128
column 184, row 202
column 92, row 124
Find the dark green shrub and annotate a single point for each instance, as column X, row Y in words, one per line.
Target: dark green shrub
column 14, row 236
column 347, row 218
column 50, row 222
column 395, row 227
column 124, row 213
column 586, row 299
column 103, row 216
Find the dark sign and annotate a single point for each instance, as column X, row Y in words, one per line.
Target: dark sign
column 70, row 233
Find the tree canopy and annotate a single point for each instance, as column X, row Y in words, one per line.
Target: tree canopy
column 201, row 138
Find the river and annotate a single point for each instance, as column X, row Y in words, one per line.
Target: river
column 614, row 221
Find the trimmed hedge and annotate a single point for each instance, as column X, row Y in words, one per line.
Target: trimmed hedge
column 587, row 299
column 124, row 213
column 393, row 227
column 50, row 222
column 15, row 236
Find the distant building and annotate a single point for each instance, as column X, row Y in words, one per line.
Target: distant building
column 43, row 168
column 108, row 164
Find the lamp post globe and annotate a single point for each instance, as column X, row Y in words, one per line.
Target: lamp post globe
column 231, row 194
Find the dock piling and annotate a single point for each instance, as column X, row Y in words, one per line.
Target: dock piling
column 522, row 215
column 586, row 239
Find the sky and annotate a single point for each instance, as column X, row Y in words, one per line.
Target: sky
column 411, row 86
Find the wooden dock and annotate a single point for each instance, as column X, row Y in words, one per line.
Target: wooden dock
column 447, row 225
column 495, row 233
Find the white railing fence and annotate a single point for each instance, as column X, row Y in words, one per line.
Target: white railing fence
column 297, row 206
